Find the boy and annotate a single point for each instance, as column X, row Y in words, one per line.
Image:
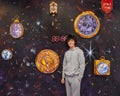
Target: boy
column 73, row 67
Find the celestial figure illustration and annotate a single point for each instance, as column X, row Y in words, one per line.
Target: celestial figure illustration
column 47, row 61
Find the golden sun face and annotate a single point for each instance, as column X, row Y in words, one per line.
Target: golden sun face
column 47, row 61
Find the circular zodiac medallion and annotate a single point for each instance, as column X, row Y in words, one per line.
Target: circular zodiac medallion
column 103, row 68
column 7, row 54
column 47, row 61
column 87, row 24
column 16, row 29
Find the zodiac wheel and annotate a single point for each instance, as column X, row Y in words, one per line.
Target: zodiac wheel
column 87, row 24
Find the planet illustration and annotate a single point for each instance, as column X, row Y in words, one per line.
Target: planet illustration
column 7, row 54
column 47, row 61
column 103, row 68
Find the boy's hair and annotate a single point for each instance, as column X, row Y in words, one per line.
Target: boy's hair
column 69, row 37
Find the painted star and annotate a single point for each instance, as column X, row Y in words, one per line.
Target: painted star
column 90, row 52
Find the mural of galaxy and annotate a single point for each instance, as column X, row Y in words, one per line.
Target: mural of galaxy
column 19, row 75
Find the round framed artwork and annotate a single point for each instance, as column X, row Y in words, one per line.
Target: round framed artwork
column 87, row 24
column 103, row 68
column 6, row 54
column 47, row 61
column 16, row 29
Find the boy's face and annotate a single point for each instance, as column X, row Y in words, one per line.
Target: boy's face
column 71, row 43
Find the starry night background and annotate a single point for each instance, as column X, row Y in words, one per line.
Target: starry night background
column 20, row 77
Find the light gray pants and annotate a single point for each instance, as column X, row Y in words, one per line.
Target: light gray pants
column 72, row 85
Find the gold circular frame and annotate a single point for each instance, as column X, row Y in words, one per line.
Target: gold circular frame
column 47, row 61
column 16, row 21
column 76, row 22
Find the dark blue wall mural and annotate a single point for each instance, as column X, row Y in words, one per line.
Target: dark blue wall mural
column 19, row 75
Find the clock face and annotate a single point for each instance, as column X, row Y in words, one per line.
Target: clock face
column 16, row 30
column 54, row 8
column 103, row 68
column 87, row 25
column 6, row 54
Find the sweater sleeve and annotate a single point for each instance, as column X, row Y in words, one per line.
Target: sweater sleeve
column 64, row 63
column 81, row 64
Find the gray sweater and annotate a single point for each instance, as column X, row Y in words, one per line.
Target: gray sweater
column 73, row 63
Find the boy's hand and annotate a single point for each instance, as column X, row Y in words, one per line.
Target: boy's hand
column 63, row 81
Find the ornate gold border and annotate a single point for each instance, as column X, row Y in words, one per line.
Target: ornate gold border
column 16, row 21
column 77, row 30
